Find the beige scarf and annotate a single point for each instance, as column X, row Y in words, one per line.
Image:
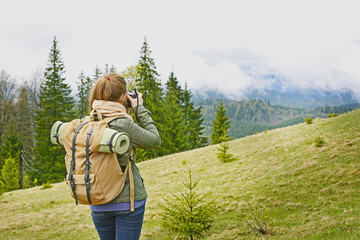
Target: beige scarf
column 109, row 109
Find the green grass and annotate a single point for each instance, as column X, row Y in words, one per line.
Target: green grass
column 301, row 191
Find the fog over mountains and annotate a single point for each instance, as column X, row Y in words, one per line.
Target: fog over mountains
column 279, row 91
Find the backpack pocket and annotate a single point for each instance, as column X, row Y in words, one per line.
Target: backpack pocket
column 81, row 191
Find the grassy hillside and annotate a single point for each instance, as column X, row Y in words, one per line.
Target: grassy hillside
column 301, row 191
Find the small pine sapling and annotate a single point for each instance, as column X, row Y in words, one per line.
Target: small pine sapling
column 188, row 216
column 223, row 155
column 319, row 141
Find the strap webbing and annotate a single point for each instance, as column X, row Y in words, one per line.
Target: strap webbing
column 109, row 143
column 131, row 179
column 88, row 119
column 99, row 115
column 72, row 165
column 56, row 135
column 87, row 165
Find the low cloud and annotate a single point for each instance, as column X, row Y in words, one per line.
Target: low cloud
column 216, row 74
column 233, row 73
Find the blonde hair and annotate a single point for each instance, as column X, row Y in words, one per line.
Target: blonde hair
column 109, row 87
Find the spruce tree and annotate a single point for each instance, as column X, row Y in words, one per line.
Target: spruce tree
column 223, row 154
column 174, row 129
column 188, row 215
column 148, row 84
column 97, row 74
column 110, row 69
column 194, row 119
column 173, row 85
column 84, row 87
column 55, row 103
column 221, row 125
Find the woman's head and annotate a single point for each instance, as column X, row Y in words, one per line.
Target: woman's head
column 110, row 87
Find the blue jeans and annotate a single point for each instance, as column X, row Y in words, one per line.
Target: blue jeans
column 119, row 225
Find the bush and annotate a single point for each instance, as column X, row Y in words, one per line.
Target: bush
column 319, row 142
column 1, row 187
column 46, row 186
column 308, row 120
column 330, row 115
column 187, row 216
column 35, row 182
column 223, row 155
column 10, row 175
column 26, row 181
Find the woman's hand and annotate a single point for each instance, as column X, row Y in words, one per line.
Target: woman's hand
column 134, row 101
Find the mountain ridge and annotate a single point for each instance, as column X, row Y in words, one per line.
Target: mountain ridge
column 250, row 116
column 285, row 96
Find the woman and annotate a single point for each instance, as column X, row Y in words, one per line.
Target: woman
column 114, row 220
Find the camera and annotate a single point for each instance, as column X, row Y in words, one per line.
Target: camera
column 133, row 95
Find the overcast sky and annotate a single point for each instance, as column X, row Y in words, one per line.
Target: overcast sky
column 218, row 44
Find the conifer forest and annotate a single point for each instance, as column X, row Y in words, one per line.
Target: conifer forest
column 29, row 108
column 28, row 111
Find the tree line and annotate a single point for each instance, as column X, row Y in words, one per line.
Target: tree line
column 28, row 111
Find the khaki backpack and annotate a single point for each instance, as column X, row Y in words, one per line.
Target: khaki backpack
column 93, row 177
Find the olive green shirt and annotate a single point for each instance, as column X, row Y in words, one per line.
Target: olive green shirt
column 145, row 136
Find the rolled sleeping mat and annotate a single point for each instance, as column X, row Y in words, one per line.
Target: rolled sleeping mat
column 114, row 141
column 119, row 140
column 55, row 134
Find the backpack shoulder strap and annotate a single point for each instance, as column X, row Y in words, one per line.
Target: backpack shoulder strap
column 109, row 119
column 87, row 119
column 91, row 119
column 128, row 170
column 131, row 181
